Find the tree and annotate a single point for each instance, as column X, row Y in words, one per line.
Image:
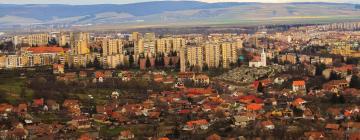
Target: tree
column 355, row 82
column 319, row 69
column 148, row 63
column 177, row 65
column 67, row 45
column 96, row 63
column 170, row 62
column 131, row 61
column 333, row 76
column 206, row 67
column 52, row 41
column 260, row 87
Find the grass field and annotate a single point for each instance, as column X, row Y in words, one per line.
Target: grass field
column 13, row 88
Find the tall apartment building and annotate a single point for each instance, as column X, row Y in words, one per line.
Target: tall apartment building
column 149, row 37
column 182, row 60
column 178, row 43
column 164, row 45
column 229, row 54
column 149, row 48
column 195, row 56
column 212, row 54
column 135, row 36
column 64, row 39
column 38, row 39
column 112, row 46
column 80, row 43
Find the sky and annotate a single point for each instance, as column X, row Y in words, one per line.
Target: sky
column 87, row 2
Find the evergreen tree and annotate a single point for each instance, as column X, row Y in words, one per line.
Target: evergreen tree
column 260, row 87
column 162, row 62
column 96, row 63
column 319, row 69
column 148, row 63
column 52, row 41
column 171, row 62
column 206, row 67
column 333, row 76
column 131, row 61
column 67, row 45
column 355, row 82
column 177, row 66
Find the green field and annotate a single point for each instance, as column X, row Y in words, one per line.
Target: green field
column 14, row 90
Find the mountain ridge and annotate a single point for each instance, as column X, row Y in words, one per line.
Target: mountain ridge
column 164, row 12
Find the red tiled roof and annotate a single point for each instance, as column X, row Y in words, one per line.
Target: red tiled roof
column 197, row 122
column 254, row 107
column 39, row 102
column 299, row 83
column 51, row 49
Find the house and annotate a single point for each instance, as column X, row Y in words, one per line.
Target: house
column 5, row 108
column 126, row 76
column 85, row 136
column 58, row 68
column 99, row 75
column 101, row 118
column 268, row 125
column 72, row 106
column 53, row 105
column 115, row 94
column 259, row 61
column 332, row 126
column 19, row 133
column 298, row 102
column 80, row 122
column 22, row 108
column 158, row 78
column 100, row 109
column 108, row 74
column 213, row 137
column 254, row 107
column 314, row 135
column 241, row 120
column 38, row 102
column 126, row 134
column 298, row 86
column 202, row 79
column 191, row 125
column 83, row 74
column 264, row 83
column 183, row 76
column 336, row 85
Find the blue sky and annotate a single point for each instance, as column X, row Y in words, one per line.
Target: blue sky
column 85, row 2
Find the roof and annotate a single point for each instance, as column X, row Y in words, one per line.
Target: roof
column 298, row 101
column 56, row 66
column 299, row 83
column 43, row 49
column 99, row 74
column 213, row 137
column 344, row 68
column 332, row 126
column 266, row 123
column 39, row 102
column 199, row 91
column 254, row 107
column 197, row 122
column 314, row 134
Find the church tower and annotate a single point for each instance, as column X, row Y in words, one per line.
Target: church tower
column 263, row 58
